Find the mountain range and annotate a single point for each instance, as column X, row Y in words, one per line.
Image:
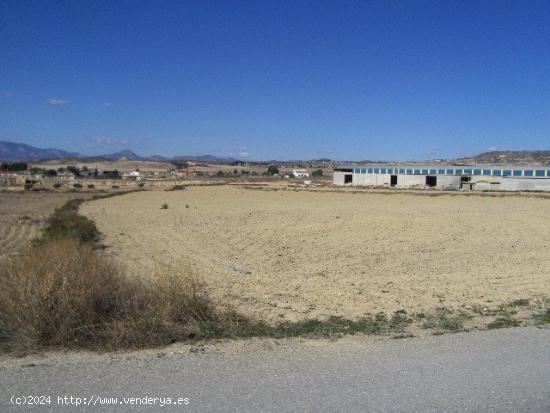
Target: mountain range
column 13, row 151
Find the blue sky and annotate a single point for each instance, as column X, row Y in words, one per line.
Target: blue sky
column 277, row 80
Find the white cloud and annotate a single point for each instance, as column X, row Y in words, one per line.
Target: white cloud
column 6, row 93
column 107, row 104
column 58, row 102
column 243, row 154
column 493, row 148
column 107, row 140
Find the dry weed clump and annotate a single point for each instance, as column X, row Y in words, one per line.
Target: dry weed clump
column 62, row 293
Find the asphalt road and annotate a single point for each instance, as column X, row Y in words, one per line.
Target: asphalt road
column 500, row 371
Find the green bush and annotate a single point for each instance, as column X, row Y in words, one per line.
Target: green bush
column 272, row 170
column 77, row 186
column 66, row 223
column 177, row 188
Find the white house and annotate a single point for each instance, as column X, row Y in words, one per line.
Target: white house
column 132, row 175
column 300, row 173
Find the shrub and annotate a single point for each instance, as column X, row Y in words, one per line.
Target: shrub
column 520, row 302
column 91, row 186
column 141, row 184
column 57, row 185
column 66, row 223
column 28, row 186
column 220, row 173
column 77, row 186
column 177, row 188
column 503, row 322
column 111, row 174
column 443, row 321
column 73, row 169
column 63, row 294
column 164, row 206
column 115, row 187
column 317, row 173
column 272, row 170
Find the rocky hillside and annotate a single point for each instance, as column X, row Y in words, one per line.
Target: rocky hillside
column 535, row 158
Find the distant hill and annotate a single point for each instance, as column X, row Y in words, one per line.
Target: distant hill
column 203, row 158
column 127, row 154
column 11, row 151
column 541, row 158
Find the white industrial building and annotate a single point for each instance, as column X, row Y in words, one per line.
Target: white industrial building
column 482, row 178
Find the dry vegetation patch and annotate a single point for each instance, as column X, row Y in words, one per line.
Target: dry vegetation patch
column 63, row 293
column 24, row 214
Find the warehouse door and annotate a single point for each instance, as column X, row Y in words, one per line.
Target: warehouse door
column 431, row 181
column 348, row 179
column 393, row 180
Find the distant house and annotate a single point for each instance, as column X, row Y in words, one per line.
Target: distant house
column 66, row 176
column 8, row 179
column 135, row 175
column 300, row 173
column 181, row 172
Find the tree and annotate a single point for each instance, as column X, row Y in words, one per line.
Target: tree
column 272, row 170
column 73, row 169
column 317, row 172
column 111, row 174
column 14, row 166
column 220, row 173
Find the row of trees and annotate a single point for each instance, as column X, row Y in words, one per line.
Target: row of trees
column 13, row 166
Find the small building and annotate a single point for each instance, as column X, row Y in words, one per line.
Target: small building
column 482, row 178
column 66, row 176
column 181, row 172
column 300, row 173
column 9, row 179
column 134, row 175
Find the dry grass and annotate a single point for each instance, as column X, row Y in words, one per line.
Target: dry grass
column 63, row 294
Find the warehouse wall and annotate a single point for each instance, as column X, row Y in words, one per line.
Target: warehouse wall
column 511, row 184
column 480, row 183
column 338, row 178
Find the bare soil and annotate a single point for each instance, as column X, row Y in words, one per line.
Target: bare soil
column 23, row 214
column 291, row 255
